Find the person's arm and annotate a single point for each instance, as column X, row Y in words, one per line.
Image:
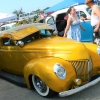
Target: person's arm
column 82, row 18
column 81, row 25
column 97, row 12
column 69, row 21
column 97, row 26
column 89, row 18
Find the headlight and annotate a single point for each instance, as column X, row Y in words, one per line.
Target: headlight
column 60, row 71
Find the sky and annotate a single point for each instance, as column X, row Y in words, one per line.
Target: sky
column 8, row 6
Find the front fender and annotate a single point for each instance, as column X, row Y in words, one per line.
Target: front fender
column 43, row 68
column 92, row 50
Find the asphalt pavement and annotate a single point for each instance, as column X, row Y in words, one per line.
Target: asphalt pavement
column 11, row 91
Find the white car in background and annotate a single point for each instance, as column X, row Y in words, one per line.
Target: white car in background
column 57, row 18
column 7, row 26
column 27, row 15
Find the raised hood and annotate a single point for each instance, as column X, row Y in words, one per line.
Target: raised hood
column 59, row 47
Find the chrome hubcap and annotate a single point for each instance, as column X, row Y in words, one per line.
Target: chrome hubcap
column 40, row 85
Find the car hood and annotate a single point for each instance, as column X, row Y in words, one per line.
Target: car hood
column 58, row 47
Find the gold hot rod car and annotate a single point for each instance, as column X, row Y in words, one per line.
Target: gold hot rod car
column 31, row 54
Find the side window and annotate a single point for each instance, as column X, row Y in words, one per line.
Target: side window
column 50, row 21
column 81, row 14
column 7, row 42
column 30, row 38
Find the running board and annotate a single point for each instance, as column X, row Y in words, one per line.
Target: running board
column 19, row 80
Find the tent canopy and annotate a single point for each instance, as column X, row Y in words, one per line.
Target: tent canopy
column 64, row 4
column 6, row 17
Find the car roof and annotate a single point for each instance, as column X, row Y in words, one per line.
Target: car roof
column 8, row 24
column 83, row 6
column 22, row 31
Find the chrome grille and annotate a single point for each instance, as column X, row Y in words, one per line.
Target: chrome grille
column 83, row 69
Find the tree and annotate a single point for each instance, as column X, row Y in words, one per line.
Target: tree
column 17, row 12
column 38, row 11
column 46, row 8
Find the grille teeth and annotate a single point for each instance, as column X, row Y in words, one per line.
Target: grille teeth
column 83, row 69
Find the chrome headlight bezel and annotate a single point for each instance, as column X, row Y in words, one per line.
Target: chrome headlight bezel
column 60, row 71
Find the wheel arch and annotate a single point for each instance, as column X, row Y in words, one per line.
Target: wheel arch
column 43, row 68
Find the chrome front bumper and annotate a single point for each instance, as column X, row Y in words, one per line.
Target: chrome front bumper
column 72, row 91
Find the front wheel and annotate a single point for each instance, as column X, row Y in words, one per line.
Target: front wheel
column 41, row 87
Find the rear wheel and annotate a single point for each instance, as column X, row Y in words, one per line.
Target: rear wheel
column 41, row 87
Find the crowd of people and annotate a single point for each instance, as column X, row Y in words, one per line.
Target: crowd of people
column 73, row 26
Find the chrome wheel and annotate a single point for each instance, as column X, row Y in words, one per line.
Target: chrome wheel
column 41, row 87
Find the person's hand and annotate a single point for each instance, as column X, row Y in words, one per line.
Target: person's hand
column 96, row 29
column 82, row 18
column 64, row 35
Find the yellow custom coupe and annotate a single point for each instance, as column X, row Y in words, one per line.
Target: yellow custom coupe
column 33, row 56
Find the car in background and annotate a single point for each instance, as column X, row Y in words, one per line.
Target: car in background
column 25, row 16
column 58, row 23
column 82, row 11
column 7, row 26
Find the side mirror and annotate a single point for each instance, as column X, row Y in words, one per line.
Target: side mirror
column 20, row 43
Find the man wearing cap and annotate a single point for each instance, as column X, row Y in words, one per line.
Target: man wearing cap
column 95, row 16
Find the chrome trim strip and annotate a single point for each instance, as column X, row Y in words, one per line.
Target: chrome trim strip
column 72, row 91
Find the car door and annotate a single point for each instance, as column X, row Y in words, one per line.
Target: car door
column 50, row 21
column 88, row 34
column 11, row 58
column 58, row 23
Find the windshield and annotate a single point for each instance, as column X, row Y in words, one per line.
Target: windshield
column 8, row 27
column 37, row 35
column 89, row 10
column 46, row 32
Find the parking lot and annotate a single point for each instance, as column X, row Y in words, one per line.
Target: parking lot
column 11, row 91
